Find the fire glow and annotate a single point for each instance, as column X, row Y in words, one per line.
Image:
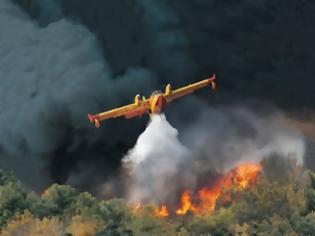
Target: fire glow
column 204, row 201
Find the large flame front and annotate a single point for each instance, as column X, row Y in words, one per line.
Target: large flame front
column 243, row 176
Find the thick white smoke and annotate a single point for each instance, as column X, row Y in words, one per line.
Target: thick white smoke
column 219, row 140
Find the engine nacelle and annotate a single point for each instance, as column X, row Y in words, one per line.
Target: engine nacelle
column 168, row 89
column 137, row 99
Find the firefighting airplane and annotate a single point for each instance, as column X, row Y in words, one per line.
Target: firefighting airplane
column 153, row 105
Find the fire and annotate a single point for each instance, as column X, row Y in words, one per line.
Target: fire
column 246, row 174
column 161, row 212
column 185, row 204
column 205, row 201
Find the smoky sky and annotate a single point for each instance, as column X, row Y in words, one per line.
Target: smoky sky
column 61, row 59
column 259, row 48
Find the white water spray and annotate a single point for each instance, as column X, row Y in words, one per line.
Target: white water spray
column 154, row 161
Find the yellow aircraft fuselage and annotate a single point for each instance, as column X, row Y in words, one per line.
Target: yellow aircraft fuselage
column 153, row 105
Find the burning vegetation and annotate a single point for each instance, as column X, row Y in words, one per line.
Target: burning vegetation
column 204, row 200
column 171, row 190
column 251, row 199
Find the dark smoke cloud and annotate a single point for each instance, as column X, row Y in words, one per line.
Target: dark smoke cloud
column 51, row 78
column 132, row 33
column 80, row 57
column 258, row 48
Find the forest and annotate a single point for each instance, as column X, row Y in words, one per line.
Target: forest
column 278, row 203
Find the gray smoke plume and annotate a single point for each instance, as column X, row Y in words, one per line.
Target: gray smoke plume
column 160, row 165
column 44, row 11
column 228, row 135
column 50, row 79
column 48, row 10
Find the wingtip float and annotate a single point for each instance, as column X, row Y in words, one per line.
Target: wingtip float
column 155, row 104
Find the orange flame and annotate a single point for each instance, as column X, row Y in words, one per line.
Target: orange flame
column 246, row 174
column 241, row 177
column 161, row 212
column 185, row 204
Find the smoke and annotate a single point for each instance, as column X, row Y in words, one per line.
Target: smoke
column 227, row 135
column 44, row 11
column 258, row 47
column 53, row 72
column 51, row 78
column 48, row 10
column 160, row 165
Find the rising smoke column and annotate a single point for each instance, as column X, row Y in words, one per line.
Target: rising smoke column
column 50, row 78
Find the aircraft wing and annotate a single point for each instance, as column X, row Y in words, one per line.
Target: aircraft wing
column 171, row 95
column 138, row 108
